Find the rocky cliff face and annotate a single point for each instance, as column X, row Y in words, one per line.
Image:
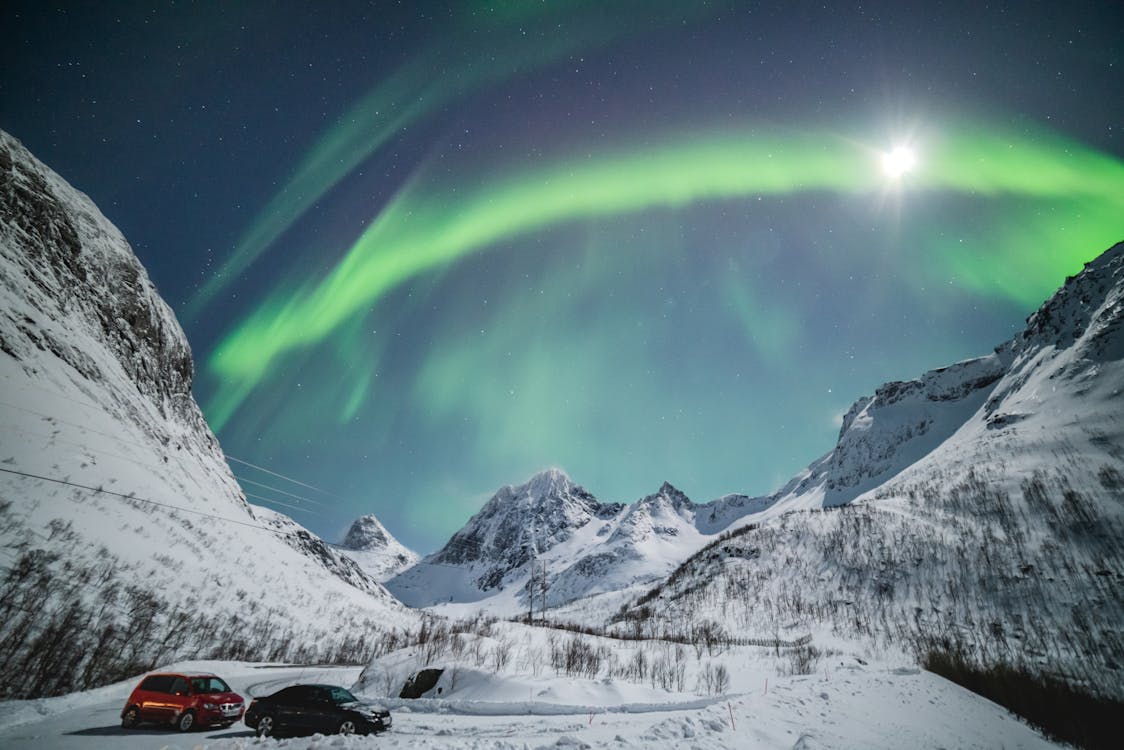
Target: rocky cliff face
column 66, row 262
column 125, row 541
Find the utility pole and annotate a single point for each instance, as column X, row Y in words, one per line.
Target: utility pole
column 531, row 584
column 542, row 609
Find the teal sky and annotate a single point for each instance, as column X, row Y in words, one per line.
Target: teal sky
column 423, row 252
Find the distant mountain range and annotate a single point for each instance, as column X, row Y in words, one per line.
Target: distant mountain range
column 978, row 508
column 586, row 547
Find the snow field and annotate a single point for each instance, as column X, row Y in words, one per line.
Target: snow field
column 845, row 704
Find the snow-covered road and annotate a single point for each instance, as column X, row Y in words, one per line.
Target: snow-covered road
column 848, row 707
column 92, row 720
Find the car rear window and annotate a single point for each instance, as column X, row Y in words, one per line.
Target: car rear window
column 158, row 683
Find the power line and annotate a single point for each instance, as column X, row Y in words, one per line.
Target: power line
column 140, row 499
column 120, row 438
column 283, row 492
column 274, row 473
column 102, row 453
column 275, row 502
column 83, row 427
column 147, row 447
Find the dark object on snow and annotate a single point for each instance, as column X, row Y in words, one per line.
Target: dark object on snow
column 421, row 683
column 305, row 709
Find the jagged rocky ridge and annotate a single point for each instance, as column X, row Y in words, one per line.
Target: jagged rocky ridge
column 586, row 547
column 125, row 541
column 1002, row 542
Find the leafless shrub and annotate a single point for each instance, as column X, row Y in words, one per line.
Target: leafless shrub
column 501, row 654
column 800, row 661
column 713, row 679
column 476, row 652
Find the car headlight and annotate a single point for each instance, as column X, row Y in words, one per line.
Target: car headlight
column 210, row 706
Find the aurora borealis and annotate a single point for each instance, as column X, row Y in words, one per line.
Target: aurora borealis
column 423, row 252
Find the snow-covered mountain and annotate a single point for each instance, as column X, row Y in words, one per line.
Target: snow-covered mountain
column 638, row 543
column 585, row 546
column 985, row 513
column 378, row 553
column 979, row 507
column 125, row 541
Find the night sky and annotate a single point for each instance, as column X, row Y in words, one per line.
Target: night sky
column 423, row 250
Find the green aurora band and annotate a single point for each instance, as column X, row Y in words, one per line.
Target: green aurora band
column 422, row 231
column 414, row 91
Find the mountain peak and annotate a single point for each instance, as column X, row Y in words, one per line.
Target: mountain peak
column 550, row 481
column 375, row 549
column 520, row 521
column 668, row 494
column 1086, row 304
column 365, row 534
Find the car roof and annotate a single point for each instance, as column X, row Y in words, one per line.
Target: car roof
column 182, row 674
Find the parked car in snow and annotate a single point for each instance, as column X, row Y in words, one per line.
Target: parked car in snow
column 184, row 700
column 301, row 709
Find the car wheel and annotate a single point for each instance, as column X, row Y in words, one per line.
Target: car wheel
column 186, row 721
column 265, row 726
column 131, row 718
column 347, row 726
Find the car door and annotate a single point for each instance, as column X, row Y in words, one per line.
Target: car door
column 322, row 712
column 154, row 700
column 289, row 708
column 179, row 697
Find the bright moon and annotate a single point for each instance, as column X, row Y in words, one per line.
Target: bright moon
column 899, row 161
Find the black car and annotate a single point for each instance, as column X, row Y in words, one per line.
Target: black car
column 327, row 709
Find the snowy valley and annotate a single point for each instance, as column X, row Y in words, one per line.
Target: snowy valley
column 977, row 511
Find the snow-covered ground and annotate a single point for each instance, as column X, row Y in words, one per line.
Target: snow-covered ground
column 845, row 704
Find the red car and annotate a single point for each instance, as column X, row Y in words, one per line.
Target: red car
column 184, row 700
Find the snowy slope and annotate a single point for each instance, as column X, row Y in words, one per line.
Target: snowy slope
column 378, row 553
column 124, row 539
column 987, row 512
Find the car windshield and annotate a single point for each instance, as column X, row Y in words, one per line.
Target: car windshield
column 339, row 695
column 205, row 685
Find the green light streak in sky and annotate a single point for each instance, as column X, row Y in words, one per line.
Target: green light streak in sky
column 429, row 81
column 422, row 231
